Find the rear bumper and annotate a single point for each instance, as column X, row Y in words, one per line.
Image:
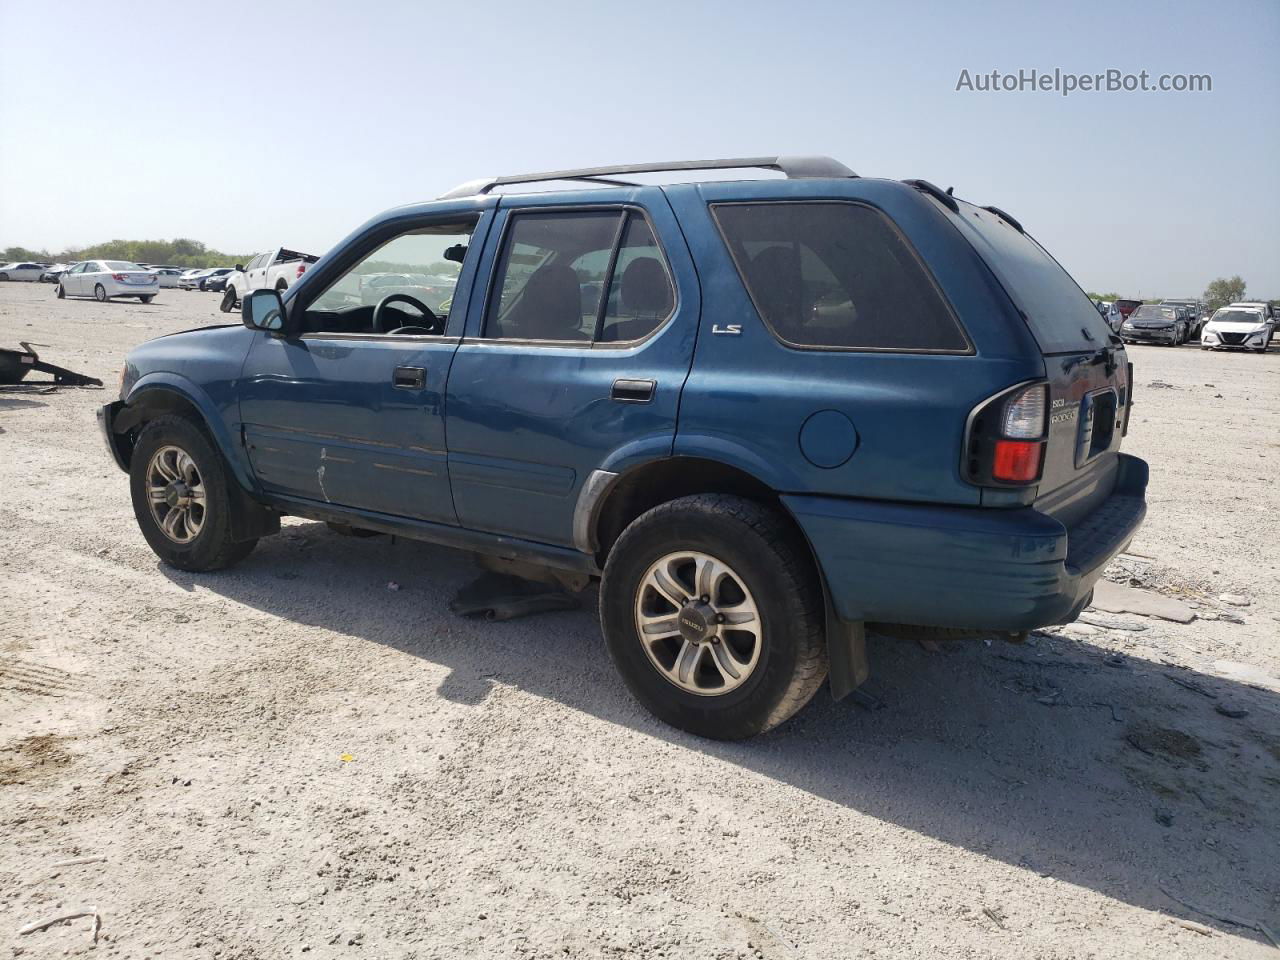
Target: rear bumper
column 115, row 289
column 982, row 568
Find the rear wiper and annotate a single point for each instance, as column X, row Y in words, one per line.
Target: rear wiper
column 1107, row 355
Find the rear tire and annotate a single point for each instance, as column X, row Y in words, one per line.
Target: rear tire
column 100, row 293
column 281, row 286
column 147, row 298
column 762, row 582
column 191, row 530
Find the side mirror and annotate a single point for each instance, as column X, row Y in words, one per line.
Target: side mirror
column 457, row 253
column 240, row 267
column 263, row 310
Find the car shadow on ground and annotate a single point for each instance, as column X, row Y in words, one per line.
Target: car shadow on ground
column 1114, row 773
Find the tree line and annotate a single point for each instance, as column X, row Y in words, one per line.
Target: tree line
column 181, row 252
column 1218, row 294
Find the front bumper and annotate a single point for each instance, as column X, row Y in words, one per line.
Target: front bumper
column 106, row 420
column 980, row 568
column 1149, row 336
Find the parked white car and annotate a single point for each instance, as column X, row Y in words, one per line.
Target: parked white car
column 104, row 279
column 167, row 276
column 191, row 279
column 1111, row 313
column 1238, row 328
column 25, row 272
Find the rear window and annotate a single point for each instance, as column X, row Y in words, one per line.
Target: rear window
column 836, row 275
column 121, row 265
column 1058, row 312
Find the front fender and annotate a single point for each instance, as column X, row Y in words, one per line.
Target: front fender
column 220, row 419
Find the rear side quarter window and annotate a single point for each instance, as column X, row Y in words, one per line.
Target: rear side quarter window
column 836, row 275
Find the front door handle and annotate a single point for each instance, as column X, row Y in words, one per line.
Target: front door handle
column 409, row 378
column 632, row 391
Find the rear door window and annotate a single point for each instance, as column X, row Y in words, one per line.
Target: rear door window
column 836, row 275
column 1059, row 313
column 586, row 276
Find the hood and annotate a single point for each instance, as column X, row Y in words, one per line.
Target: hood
column 205, row 359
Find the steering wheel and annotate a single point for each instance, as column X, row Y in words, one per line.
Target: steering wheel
column 436, row 326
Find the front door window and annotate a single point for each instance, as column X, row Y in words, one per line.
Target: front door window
column 404, row 287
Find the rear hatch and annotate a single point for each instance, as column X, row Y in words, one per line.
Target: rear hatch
column 1085, row 365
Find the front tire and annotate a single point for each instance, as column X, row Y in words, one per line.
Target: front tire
column 62, row 293
column 713, row 614
column 180, row 488
column 4, row 277
column 100, row 293
column 228, row 300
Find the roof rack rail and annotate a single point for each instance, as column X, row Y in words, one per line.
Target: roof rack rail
column 796, row 168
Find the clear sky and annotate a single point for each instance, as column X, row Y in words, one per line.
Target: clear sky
column 257, row 124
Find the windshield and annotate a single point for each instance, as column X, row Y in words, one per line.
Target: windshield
column 121, row 265
column 1236, row 316
column 1149, row 312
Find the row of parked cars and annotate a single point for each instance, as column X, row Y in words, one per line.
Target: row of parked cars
column 1246, row 325
column 108, row 279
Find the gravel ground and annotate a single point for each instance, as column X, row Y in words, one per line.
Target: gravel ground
column 291, row 759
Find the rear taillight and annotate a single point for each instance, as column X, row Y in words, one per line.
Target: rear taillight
column 118, row 277
column 1005, row 446
column 302, row 268
column 1017, row 461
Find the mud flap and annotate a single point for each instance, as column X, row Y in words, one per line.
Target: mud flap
column 847, row 655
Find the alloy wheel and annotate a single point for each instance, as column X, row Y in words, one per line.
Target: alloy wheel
column 698, row 623
column 176, row 494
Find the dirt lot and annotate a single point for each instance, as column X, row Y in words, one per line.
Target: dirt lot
column 505, row 798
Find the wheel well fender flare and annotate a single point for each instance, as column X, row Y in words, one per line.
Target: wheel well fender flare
column 158, row 394
column 610, row 500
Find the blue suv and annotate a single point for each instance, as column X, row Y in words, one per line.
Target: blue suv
column 765, row 413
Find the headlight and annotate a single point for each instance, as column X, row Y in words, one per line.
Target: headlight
column 1126, row 326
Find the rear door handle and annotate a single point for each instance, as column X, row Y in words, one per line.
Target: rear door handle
column 633, row 391
column 409, row 378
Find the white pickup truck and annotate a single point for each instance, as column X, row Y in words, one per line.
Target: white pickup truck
column 274, row 270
